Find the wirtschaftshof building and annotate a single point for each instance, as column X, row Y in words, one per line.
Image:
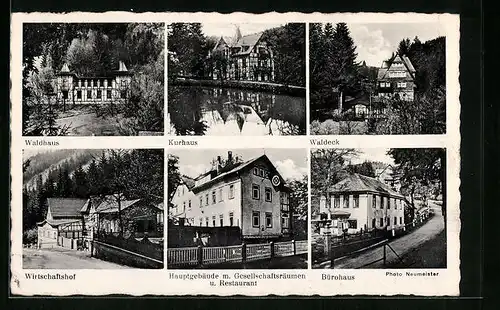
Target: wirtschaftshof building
column 75, row 89
column 250, row 195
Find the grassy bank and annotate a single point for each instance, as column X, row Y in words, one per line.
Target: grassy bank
column 282, row 89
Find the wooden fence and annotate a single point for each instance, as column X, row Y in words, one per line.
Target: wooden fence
column 199, row 256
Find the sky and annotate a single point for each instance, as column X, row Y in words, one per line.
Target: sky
column 376, row 42
column 229, row 29
column 372, row 154
column 291, row 163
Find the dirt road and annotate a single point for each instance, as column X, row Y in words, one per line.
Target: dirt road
column 401, row 245
column 60, row 258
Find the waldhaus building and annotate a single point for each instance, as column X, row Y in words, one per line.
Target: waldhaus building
column 75, row 89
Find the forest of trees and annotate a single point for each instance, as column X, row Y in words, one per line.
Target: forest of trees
column 335, row 72
column 92, row 49
column 137, row 174
column 189, row 46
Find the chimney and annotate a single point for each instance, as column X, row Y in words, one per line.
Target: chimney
column 229, row 156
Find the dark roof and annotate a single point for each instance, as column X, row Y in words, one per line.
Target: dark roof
column 111, row 205
column 361, row 183
column 188, row 181
column 235, row 170
column 65, row 207
column 56, row 223
column 404, row 59
column 248, row 40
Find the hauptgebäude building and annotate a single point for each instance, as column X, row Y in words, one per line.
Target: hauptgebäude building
column 250, row 195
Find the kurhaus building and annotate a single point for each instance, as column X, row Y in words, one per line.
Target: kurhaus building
column 247, row 58
column 75, row 89
column 360, row 203
column 251, row 195
column 396, row 79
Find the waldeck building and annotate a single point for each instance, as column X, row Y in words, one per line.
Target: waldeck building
column 360, row 203
column 251, row 195
column 247, row 58
column 396, row 79
column 75, row 89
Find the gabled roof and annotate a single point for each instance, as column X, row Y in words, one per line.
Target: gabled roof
column 248, row 40
column 111, row 205
column 55, row 223
column 397, row 58
column 235, row 170
column 221, row 41
column 66, row 207
column 188, row 181
column 360, row 183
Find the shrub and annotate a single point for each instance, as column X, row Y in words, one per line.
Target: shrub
column 30, row 236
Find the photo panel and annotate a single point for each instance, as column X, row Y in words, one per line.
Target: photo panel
column 237, row 79
column 93, row 79
column 377, row 78
column 379, row 208
column 93, row 208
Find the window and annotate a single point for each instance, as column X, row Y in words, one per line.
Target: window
column 269, row 220
column 381, row 202
column 353, row 224
column 231, row 218
column 99, row 94
column 401, row 84
column 110, row 82
column 201, row 221
column 221, row 219
column 401, row 220
column 336, row 203
column 78, row 94
column 213, row 220
column 206, row 199
column 269, row 194
column 255, row 219
column 231, row 191
column 356, row 201
column 256, row 171
column 397, row 74
column 346, row 201
column 262, row 172
column 395, row 221
column 373, row 223
column 382, row 221
column 89, row 94
column 108, row 94
column 255, row 191
column 214, row 197
column 221, row 198
column 201, row 201
column 206, row 221
column 184, row 206
column 284, row 201
column 374, row 201
column 65, row 94
column 322, row 202
column 285, row 221
column 189, row 204
column 388, row 221
column 388, row 203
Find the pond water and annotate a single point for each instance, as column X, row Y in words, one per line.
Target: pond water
column 228, row 112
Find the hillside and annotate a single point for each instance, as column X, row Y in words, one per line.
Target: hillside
column 48, row 162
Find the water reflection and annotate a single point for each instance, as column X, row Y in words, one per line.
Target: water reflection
column 224, row 111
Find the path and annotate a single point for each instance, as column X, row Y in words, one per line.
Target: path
column 401, row 245
column 61, row 258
